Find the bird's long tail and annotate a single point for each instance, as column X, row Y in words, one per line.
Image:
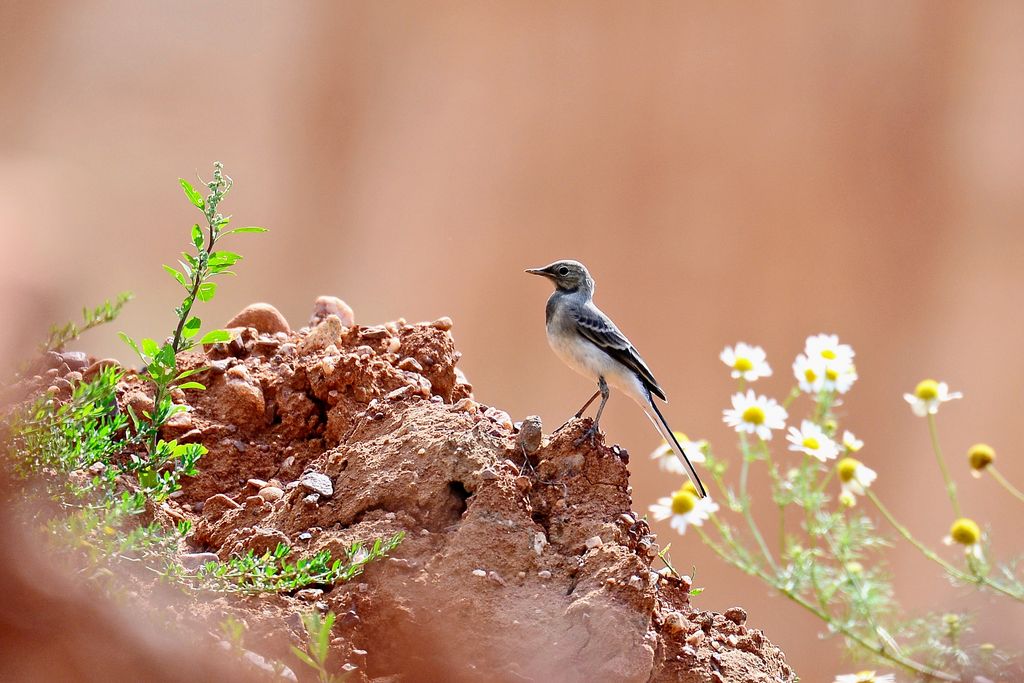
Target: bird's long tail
column 666, row 432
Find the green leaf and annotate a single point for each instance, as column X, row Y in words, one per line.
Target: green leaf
column 250, row 228
column 191, row 327
column 192, row 385
column 193, row 196
column 188, row 373
column 197, row 236
column 147, row 478
column 206, row 291
column 304, row 657
column 215, row 337
column 176, row 275
column 224, row 258
column 130, row 342
column 696, row 591
column 150, row 348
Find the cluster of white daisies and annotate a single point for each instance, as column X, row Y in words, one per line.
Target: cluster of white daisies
column 825, row 366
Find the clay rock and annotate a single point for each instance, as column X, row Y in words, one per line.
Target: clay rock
column 328, row 332
column 236, row 399
column 332, row 305
column 263, row 317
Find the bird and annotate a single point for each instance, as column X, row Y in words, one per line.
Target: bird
column 587, row 340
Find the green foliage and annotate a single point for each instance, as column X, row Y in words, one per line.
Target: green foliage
column 273, row 572
column 85, row 449
column 197, row 270
column 317, row 647
column 60, row 335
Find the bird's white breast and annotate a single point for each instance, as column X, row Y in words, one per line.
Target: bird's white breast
column 587, row 359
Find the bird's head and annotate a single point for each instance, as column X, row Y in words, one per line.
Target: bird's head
column 568, row 276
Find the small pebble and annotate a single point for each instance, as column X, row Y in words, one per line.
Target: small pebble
column 271, row 493
column 193, row 561
column 594, row 542
column 332, row 305
column 255, row 483
column 263, row 317
column 674, row 622
column 544, row 574
column 736, row 615
column 531, row 434
column 479, row 572
column 311, row 499
column 305, row 536
column 487, row 474
column 317, row 483
column 695, row 638
column 309, row 594
column 444, row 323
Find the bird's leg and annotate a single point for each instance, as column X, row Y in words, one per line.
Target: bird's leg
column 591, row 434
column 579, row 413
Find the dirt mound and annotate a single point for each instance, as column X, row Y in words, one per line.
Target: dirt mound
column 333, row 434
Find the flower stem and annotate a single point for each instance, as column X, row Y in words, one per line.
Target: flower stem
column 975, row 577
column 950, row 484
column 1014, row 491
column 745, row 501
column 875, row 648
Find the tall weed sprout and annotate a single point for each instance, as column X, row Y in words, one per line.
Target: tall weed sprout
column 832, row 561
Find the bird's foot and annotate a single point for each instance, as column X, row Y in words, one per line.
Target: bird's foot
column 590, row 435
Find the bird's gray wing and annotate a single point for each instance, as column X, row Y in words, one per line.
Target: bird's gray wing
column 596, row 327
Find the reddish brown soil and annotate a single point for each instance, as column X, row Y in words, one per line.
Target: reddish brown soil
column 539, row 575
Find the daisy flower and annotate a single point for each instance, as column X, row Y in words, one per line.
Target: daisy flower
column 851, row 443
column 967, row 533
column 825, row 364
column 755, row 414
column 865, row 677
column 812, row 440
column 928, row 395
column 854, row 478
column 809, row 375
column 747, row 362
column 980, row 456
column 826, row 347
column 665, row 454
column 684, row 508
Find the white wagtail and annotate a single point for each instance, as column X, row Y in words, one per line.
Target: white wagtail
column 589, row 342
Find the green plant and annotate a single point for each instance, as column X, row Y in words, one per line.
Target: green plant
column 196, row 278
column 273, row 572
column 316, row 649
column 831, row 562
column 107, row 312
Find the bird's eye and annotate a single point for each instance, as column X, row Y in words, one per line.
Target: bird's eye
column 563, row 271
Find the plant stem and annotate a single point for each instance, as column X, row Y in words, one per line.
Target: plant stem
column 997, row 475
column 877, row 649
column 745, row 501
column 973, row 578
column 950, row 484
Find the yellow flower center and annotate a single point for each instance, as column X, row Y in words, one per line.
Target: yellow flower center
column 683, row 501
column 754, row 415
column 965, row 531
column 812, row 443
column 829, row 354
column 831, row 374
column 865, row 677
column 809, row 374
column 743, row 364
column 689, row 487
column 927, row 390
column 847, row 468
column 980, row 456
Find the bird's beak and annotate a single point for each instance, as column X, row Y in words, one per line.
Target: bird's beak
column 538, row 271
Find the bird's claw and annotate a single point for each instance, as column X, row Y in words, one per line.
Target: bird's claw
column 589, row 435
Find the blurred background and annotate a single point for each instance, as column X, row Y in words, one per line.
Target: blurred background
column 728, row 171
